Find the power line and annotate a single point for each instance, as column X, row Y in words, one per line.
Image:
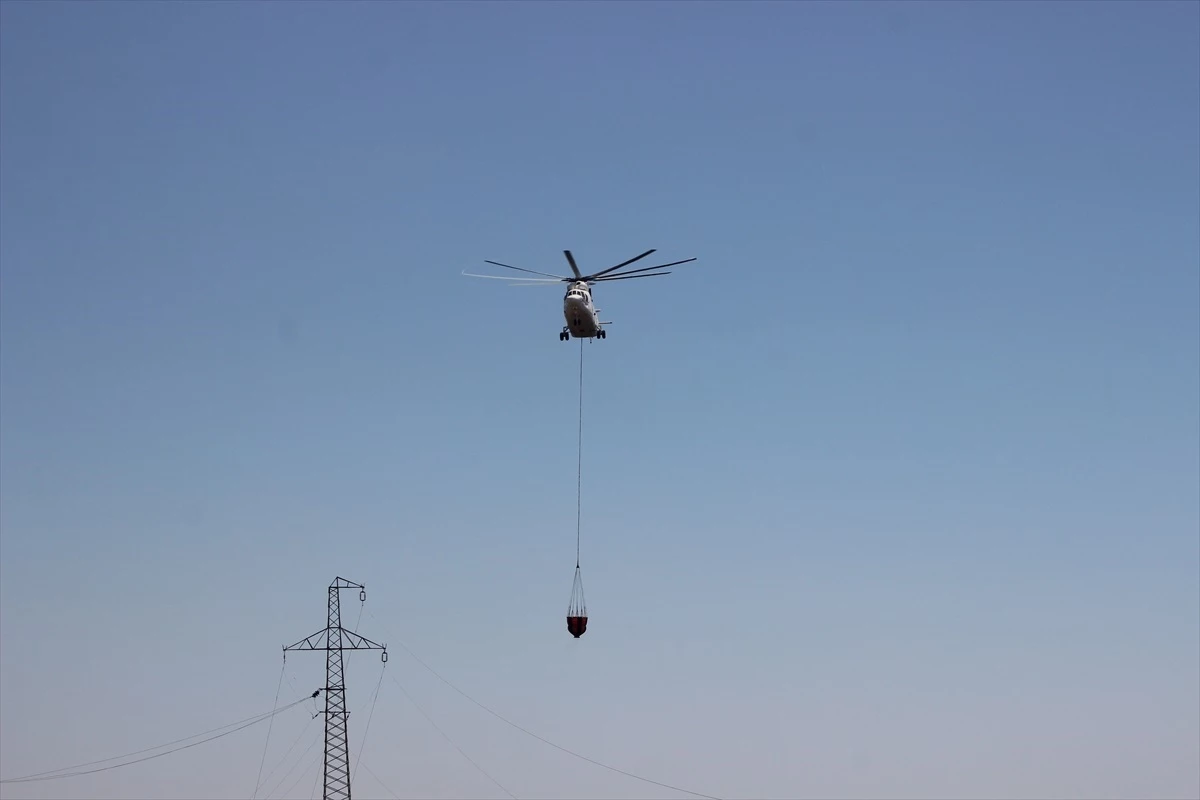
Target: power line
column 380, row 782
column 446, row 736
column 145, row 750
column 627, row 774
column 317, row 777
column 59, row 774
column 292, row 768
column 375, row 699
column 316, row 783
column 267, row 743
column 275, row 768
column 304, row 772
column 299, row 761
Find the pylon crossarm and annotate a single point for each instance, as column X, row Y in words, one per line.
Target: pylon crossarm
column 314, row 642
column 352, row 641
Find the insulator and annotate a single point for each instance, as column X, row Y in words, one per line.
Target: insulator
column 384, row 656
column 362, row 596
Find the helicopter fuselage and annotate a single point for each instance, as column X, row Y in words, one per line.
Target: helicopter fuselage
column 582, row 317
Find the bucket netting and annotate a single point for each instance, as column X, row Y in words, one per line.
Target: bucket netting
column 577, row 609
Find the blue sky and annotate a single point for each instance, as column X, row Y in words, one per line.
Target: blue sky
column 892, row 493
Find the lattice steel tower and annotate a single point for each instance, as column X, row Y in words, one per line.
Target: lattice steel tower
column 333, row 639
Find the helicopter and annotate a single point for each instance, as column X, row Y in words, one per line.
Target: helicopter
column 581, row 315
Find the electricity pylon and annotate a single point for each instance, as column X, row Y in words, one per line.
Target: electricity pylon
column 333, row 639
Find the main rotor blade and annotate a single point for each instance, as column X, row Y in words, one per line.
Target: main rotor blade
column 571, row 261
column 626, row 264
column 648, row 269
column 522, row 269
column 537, row 281
column 625, row 277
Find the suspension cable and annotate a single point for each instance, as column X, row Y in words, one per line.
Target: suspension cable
column 62, row 773
column 579, row 464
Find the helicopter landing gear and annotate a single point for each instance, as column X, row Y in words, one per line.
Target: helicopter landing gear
column 565, row 334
